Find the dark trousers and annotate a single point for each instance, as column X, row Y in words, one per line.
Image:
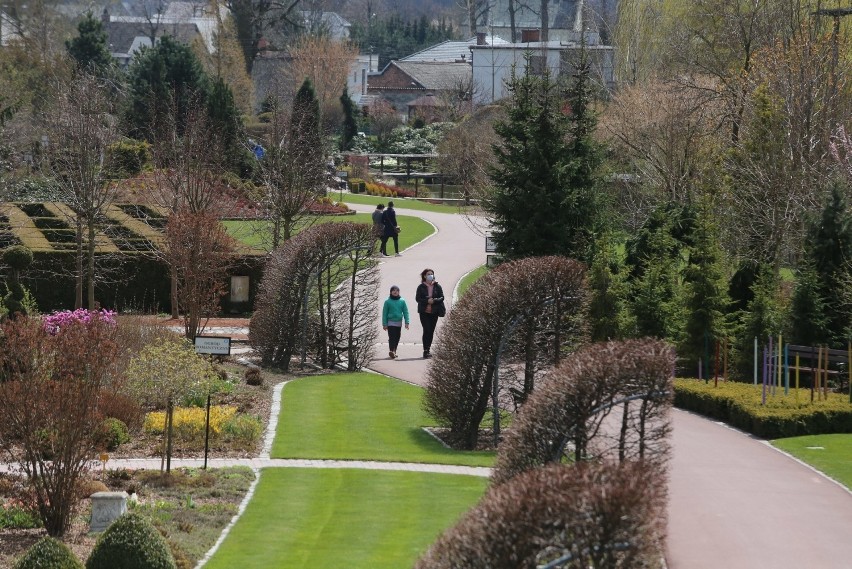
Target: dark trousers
column 385, row 243
column 428, row 321
column 394, row 334
column 383, row 246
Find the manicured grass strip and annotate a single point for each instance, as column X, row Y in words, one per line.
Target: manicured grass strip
column 251, row 233
column 344, row 518
column 399, row 203
column 471, row 278
column 827, row 453
column 360, row 416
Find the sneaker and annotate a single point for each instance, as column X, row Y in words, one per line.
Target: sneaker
column 426, row 355
column 398, row 255
column 385, row 255
column 391, row 355
column 394, row 355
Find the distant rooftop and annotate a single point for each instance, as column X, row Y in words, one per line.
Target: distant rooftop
column 450, row 51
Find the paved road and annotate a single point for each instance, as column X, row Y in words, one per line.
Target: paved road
column 735, row 502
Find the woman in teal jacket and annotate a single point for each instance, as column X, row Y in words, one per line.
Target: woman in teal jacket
column 394, row 312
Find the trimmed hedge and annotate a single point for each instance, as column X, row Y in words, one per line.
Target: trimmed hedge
column 131, row 542
column 739, row 405
column 136, row 282
column 48, row 553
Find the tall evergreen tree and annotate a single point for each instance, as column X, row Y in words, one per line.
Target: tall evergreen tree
column 608, row 310
column 164, row 78
column 89, row 49
column 225, row 119
column 706, row 290
column 305, row 117
column 545, row 201
column 763, row 315
column 828, row 253
column 350, row 122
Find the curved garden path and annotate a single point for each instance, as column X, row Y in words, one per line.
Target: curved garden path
column 735, row 502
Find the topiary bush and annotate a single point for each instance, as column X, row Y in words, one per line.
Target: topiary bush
column 18, row 257
column 113, row 432
column 131, row 542
column 48, row 553
column 253, row 376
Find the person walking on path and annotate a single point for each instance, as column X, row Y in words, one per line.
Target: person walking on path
column 391, row 229
column 378, row 227
column 394, row 312
column 430, row 307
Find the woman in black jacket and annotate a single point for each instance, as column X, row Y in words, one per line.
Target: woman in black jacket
column 430, row 307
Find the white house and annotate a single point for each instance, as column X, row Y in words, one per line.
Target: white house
column 493, row 64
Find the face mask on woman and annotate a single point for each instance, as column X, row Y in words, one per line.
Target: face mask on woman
column 430, row 278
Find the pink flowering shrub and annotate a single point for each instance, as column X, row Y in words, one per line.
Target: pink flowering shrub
column 57, row 320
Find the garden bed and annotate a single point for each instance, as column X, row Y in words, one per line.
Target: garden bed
column 190, row 508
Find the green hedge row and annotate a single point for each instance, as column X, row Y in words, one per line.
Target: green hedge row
column 739, row 405
column 129, row 282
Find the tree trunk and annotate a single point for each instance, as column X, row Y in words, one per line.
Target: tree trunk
column 78, row 284
column 170, row 412
column 545, row 22
column 90, row 266
column 174, row 295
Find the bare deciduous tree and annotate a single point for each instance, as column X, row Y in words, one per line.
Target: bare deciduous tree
column 326, row 63
column 82, row 129
column 50, row 386
column 293, row 173
column 199, row 252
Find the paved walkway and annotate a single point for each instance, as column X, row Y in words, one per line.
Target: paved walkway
column 735, row 502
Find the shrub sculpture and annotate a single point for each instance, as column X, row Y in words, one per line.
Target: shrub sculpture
column 567, row 415
column 50, row 553
column 18, row 258
column 131, row 542
column 527, row 313
column 330, row 266
column 601, row 514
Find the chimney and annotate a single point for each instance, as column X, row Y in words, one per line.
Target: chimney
column 105, row 16
column 528, row 36
column 480, row 38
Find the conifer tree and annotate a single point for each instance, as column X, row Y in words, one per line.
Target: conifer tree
column 706, row 293
column 350, row 123
column 608, row 309
column 828, row 251
column 89, row 49
column 161, row 79
column 545, row 201
column 763, row 315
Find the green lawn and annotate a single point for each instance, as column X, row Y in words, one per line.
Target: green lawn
column 827, row 453
column 399, row 203
column 360, row 416
column 414, row 229
column 321, row 518
column 471, row 278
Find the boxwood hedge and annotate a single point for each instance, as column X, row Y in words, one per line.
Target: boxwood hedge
column 739, row 405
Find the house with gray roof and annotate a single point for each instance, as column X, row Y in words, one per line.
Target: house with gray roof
column 453, row 51
column 402, row 82
column 184, row 21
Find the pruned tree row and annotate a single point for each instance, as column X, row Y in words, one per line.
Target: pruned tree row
column 511, row 327
column 608, row 400
column 319, row 297
column 589, row 515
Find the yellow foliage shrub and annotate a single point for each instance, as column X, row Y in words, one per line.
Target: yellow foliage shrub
column 189, row 421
